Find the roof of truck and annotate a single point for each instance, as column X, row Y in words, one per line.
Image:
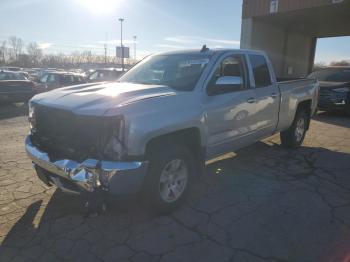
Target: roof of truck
column 210, row 51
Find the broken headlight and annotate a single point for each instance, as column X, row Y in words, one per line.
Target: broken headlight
column 114, row 148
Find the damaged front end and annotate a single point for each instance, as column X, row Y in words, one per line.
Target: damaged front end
column 81, row 153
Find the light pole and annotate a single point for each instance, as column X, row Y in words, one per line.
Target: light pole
column 135, row 38
column 121, row 41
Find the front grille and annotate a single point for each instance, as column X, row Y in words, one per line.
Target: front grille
column 63, row 134
column 326, row 94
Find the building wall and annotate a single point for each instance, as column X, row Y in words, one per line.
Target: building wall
column 290, row 52
column 299, row 55
column 253, row 8
column 260, row 36
column 289, row 34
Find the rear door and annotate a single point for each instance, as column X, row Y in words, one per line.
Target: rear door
column 267, row 96
column 230, row 113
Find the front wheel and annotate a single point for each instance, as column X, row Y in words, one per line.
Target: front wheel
column 294, row 136
column 169, row 177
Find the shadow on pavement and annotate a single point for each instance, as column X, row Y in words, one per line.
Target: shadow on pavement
column 334, row 118
column 13, row 110
column 63, row 232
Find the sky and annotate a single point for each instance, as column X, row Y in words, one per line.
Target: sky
column 160, row 25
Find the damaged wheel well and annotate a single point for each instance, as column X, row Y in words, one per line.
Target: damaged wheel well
column 189, row 137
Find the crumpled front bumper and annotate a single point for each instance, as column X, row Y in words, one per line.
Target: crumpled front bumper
column 117, row 178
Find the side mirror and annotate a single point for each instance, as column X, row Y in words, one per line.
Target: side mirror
column 226, row 84
column 229, row 80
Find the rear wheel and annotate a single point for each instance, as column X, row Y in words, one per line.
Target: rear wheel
column 294, row 136
column 169, row 177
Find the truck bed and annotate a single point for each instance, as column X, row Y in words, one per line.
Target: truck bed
column 292, row 91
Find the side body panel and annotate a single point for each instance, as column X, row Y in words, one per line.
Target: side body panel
column 292, row 94
column 230, row 121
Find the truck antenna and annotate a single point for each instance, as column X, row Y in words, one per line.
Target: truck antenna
column 204, row 49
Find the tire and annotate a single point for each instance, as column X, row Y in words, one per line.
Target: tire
column 294, row 136
column 162, row 192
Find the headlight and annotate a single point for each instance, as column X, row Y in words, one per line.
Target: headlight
column 114, row 148
column 341, row 90
column 32, row 118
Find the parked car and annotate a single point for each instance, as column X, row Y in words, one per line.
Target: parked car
column 11, row 68
column 23, row 73
column 14, row 87
column 53, row 80
column 334, row 88
column 152, row 131
column 33, row 74
column 104, row 74
column 42, row 72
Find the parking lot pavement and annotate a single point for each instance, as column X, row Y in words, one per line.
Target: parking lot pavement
column 264, row 203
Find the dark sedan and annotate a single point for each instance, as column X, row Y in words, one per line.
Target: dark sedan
column 53, row 80
column 334, row 88
column 15, row 87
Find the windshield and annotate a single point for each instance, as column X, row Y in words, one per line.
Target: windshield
column 332, row 75
column 11, row 76
column 179, row 71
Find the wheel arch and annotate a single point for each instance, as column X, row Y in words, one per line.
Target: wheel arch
column 306, row 106
column 189, row 137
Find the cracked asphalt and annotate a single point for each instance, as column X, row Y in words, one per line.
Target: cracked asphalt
column 264, row 203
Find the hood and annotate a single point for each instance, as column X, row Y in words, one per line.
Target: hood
column 332, row 85
column 96, row 99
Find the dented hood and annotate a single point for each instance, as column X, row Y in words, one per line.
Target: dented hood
column 98, row 98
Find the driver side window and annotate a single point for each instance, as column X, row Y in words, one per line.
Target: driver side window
column 226, row 75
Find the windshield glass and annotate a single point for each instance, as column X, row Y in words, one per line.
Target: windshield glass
column 11, row 76
column 332, row 75
column 179, row 71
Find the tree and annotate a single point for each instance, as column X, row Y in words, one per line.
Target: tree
column 319, row 66
column 340, row 63
column 35, row 53
column 16, row 45
column 3, row 52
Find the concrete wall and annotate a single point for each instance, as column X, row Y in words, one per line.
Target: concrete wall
column 290, row 52
column 299, row 55
column 254, row 8
column 264, row 37
column 289, row 34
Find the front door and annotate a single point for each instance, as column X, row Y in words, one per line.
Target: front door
column 230, row 109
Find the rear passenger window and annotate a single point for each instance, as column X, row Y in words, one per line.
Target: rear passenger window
column 260, row 70
column 52, row 78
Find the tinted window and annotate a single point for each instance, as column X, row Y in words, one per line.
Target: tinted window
column 77, row 79
column 68, row 79
column 44, row 78
column 5, row 76
column 52, row 78
column 94, row 75
column 11, row 76
column 260, row 70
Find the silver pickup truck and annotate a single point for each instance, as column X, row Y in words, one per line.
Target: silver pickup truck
column 152, row 131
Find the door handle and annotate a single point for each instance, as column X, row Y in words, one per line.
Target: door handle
column 251, row 100
column 273, row 95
